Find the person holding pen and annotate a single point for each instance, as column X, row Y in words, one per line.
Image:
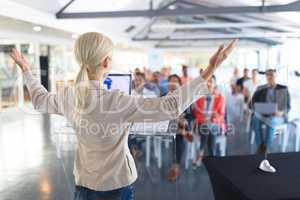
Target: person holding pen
column 104, row 167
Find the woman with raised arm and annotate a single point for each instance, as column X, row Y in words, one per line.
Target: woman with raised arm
column 104, row 167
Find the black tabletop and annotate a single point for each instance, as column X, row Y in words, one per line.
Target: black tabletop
column 238, row 177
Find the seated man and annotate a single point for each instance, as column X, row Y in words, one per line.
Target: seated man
column 272, row 93
column 140, row 86
column 209, row 112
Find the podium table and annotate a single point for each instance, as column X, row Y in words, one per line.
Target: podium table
column 238, row 177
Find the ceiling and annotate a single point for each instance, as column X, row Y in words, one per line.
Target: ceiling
column 180, row 30
column 17, row 30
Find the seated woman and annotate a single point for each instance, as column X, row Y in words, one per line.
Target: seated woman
column 209, row 112
column 183, row 131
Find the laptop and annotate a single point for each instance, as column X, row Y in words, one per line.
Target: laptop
column 265, row 108
column 120, row 82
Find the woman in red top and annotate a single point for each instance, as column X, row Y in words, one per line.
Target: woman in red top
column 209, row 113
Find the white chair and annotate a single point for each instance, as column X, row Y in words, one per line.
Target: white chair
column 191, row 151
column 281, row 130
column 191, row 148
column 157, row 142
column 221, row 142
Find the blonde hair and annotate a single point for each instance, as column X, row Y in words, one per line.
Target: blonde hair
column 90, row 50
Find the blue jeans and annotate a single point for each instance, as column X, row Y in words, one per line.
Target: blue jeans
column 270, row 123
column 125, row 193
column 208, row 135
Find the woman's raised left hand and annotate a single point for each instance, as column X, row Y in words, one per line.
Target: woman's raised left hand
column 19, row 60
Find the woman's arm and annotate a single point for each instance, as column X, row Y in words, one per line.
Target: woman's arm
column 42, row 100
column 173, row 105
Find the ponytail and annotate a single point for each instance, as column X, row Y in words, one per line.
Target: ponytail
column 81, row 88
column 90, row 49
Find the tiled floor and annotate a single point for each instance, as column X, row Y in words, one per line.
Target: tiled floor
column 31, row 170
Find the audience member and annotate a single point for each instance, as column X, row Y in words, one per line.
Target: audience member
column 271, row 93
column 185, row 77
column 140, row 89
column 235, row 106
column 235, row 77
column 209, row 112
column 165, row 73
column 148, row 74
column 153, row 85
column 240, row 81
column 201, row 71
column 250, row 85
column 183, row 131
column 137, row 70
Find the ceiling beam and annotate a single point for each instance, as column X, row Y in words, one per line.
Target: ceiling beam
column 295, row 2
column 211, row 11
column 268, row 41
column 220, row 36
column 286, row 26
column 218, row 25
column 192, row 45
column 65, row 7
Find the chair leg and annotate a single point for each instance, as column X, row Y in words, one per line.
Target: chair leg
column 188, row 155
column 154, row 140
column 223, row 144
column 148, row 149
column 167, row 144
column 159, row 152
column 252, row 138
column 298, row 141
column 281, row 139
column 286, row 134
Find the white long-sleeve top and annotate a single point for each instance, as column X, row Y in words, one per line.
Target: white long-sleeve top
column 102, row 159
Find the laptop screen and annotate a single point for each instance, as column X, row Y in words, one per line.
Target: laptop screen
column 120, row 82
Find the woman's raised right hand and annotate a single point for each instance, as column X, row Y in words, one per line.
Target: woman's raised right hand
column 217, row 59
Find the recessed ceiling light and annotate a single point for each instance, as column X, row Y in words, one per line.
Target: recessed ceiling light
column 75, row 36
column 172, row 7
column 37, row 28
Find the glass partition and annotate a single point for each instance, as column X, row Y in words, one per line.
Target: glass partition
column 9, row 94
